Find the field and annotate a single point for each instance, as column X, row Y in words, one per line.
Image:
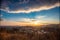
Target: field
column 48, row 32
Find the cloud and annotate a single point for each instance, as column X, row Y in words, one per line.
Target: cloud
column 36, row 18
column 23, row 6
column 23, row 1
column 25, row 19
column 28, row 21
column 13, row 23
column 39, row 17
column 22, row 22
column 1, row 15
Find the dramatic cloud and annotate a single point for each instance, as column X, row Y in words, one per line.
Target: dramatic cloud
column 27, row 6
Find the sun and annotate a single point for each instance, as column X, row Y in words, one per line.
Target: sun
column 35, row 23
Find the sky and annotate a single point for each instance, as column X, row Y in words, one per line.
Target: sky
column 29, row 12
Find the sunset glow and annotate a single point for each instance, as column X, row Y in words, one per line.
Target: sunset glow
column 29, row 12
column 29, row 20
